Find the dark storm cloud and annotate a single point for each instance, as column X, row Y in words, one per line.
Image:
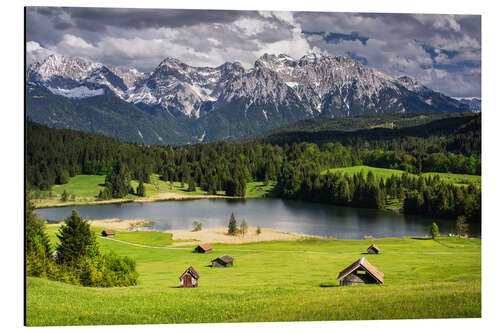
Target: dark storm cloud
column 95, row 19
column 336, row 38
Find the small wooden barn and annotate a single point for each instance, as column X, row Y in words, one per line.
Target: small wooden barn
column 203, row 248
column 360, row 272
column 224, row 261
column 106, row 233
column 189, row 279
column 373, row 249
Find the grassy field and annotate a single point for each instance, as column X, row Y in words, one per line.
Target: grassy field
column 85, row 189
column 387, row 173
column 272, row 281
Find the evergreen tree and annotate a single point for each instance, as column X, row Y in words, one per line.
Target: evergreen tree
column 191, row 185
column 38, row 250
column 434, row 230
column 76, row 240
column 141, row 190
column 462, row 226
column 243, row 227
column 232, row 228
column 64, row 196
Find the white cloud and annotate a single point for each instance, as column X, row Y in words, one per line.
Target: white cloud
column 35, row 52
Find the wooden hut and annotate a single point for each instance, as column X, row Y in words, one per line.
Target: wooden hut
column 373, row 249
column 360, row 272
column 224, row 261
column 189, row 279
column 203, row 248
column 106, row 233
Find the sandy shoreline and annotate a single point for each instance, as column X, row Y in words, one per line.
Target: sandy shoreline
column 37, row 203
column 115, row 224
column 208, row 235
column 219, row 235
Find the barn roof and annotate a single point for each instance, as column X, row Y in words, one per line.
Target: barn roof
column 225, row 258
column 369, row 268
column 192, row 272
column 373, row 246
column 109, row 232
column 205, row 247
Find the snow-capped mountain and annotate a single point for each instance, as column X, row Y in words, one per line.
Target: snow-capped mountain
column 474, row 103
column 230, row 101
column 435, row 100
column 80, row 78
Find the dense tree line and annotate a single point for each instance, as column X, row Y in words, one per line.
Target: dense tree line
column 54, row 155
column 421, row 195
column 460, row 135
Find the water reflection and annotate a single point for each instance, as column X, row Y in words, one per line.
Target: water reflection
column 286, row 215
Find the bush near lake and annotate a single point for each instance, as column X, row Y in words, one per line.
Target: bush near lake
column 78, row 259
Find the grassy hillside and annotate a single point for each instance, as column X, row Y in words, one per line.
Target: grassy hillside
column 387, row 173
column 390, row 133
column 382, row 120
column 274, row 281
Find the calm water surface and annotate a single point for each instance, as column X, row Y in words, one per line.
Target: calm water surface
column 285, row 215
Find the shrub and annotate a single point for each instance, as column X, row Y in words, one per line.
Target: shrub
column 197, row 226
column 258, row 231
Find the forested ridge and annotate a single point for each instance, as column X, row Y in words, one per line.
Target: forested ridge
column 54, row 155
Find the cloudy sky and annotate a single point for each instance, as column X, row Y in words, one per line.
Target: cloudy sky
column 442, row 51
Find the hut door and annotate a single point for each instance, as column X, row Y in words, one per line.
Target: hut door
column 187, row 281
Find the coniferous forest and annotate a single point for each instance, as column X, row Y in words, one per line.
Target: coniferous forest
column 295, row 160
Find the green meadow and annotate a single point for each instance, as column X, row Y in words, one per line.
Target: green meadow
column 83, row 189
column 270, row 281
column 457, row 179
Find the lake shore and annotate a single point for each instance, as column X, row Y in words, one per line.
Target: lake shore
column 46, row 203
column 208, row 235
column 219, row 235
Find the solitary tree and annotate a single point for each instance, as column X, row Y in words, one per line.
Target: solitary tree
column 434, row 230
column 232, row 228
column 76, row 240
column 64, row 196
column 243, row 227
column 462, row 226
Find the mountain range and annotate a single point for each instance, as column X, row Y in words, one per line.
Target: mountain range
column 177, row 103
